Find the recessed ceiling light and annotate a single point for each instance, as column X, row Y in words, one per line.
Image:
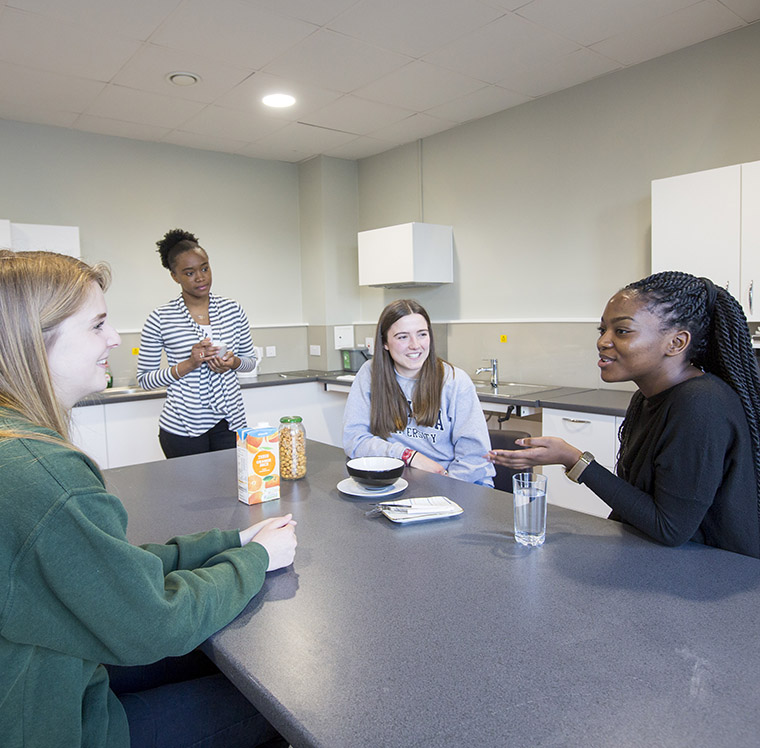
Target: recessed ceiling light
column 279, row 100
column 183, row 79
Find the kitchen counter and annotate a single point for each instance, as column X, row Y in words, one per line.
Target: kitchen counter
column 608, row 402
column 447, row 633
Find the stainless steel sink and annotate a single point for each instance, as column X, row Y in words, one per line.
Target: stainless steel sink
column 128, row 390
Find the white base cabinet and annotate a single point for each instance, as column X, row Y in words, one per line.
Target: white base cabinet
column 88, row 432
column 589, row 432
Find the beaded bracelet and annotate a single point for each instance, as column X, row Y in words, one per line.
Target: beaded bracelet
column 407, row 456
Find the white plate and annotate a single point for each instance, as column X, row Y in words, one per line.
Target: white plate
column 352, row 488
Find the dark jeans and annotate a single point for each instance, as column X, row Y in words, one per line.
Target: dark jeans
column 185, row 701
column 216, row 438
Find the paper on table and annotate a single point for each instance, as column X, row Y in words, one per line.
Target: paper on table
column 427, row 507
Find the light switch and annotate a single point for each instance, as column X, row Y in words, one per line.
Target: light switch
column 271, row 351
column 315, row 350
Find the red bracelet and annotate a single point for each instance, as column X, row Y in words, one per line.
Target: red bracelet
column 407, row 455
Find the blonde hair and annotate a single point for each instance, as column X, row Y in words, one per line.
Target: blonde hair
column 38, row 291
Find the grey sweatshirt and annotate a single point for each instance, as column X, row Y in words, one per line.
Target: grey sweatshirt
column 459, row 440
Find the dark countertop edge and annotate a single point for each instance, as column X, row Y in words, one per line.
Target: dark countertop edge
column 134, row 392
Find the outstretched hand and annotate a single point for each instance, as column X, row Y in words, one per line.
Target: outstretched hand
column 536, row 450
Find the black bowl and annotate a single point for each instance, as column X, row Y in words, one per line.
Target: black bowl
column 375, row 472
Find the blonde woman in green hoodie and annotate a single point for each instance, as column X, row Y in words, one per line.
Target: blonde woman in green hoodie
column 75, row 595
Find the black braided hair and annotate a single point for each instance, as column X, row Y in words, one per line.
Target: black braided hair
column 175, row 242
column 720, row 340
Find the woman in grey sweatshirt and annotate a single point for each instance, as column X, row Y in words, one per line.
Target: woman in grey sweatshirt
column 410, row 404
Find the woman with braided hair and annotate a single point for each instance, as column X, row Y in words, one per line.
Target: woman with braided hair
column 689, row 460
column 203, row 404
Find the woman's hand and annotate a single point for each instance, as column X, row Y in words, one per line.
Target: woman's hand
column 278, row 536
column 537, row 450
column 202, row 353
column 220, row 364
column 421, row 462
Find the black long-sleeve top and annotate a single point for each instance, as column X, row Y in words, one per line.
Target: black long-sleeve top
column 688, row 473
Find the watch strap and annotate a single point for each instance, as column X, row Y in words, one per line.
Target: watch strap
column 576, row 470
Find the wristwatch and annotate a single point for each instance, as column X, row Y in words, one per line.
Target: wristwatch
column 575, row 471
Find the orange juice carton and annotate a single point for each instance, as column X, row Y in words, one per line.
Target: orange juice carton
column 258, row 463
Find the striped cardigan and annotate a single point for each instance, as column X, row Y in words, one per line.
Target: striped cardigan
column 200, row 399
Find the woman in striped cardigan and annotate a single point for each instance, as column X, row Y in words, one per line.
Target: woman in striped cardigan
column 206, row 339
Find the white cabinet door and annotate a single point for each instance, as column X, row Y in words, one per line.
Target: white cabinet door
column 696, row 225
column 88, row 432
column 589, row 432
column 750, row 240
column 132, row 432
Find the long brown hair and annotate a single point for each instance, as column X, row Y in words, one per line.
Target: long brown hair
column 38, row 291
column 389, row 410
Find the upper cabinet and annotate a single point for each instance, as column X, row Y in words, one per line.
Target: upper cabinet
column 407, row 255
column 708, row 224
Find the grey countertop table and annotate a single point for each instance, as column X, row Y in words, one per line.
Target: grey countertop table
column 447, row 633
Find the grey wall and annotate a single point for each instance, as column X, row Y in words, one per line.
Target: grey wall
column 125, row 194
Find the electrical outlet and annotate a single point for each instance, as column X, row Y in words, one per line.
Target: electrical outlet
column 271, row 351
column 370, row 343
column 502, row 338
column 344, row 336
column 315, row 350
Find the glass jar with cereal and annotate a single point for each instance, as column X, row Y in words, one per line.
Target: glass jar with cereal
column 292, row 448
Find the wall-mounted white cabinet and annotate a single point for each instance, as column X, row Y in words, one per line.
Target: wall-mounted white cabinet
column 708, row 224
column 407, row 255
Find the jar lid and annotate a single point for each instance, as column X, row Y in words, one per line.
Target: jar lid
column 291, row 419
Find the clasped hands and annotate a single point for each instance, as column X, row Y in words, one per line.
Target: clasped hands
column 205, row 352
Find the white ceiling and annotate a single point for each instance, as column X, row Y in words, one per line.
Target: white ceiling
column 368, row 74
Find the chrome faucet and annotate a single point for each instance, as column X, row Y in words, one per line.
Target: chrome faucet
column 493, row 368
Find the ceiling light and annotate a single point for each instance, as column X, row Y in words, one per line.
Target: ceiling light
column 183, row 79
column 279, row 100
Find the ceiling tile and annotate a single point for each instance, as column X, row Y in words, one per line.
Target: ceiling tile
column 117, row 128
column 136, row 20
column 203, row 142
column 413, row 28
column 45, row 44
column 570, row 70
column 38, row 90
column 129, row 105
column 681, row 29
column 232, row 124
column 231, row 31
column 355, row 115
column 412, row 128
column 274, row 152
column 419, row 86
column 480, row 103
column 147, row 71
column 489, row 53
column 359, row 148
column 248, row 94
column 590, row 21
column 318, row 12
column 748, row 10
column 305, row 138
column 336, row 62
